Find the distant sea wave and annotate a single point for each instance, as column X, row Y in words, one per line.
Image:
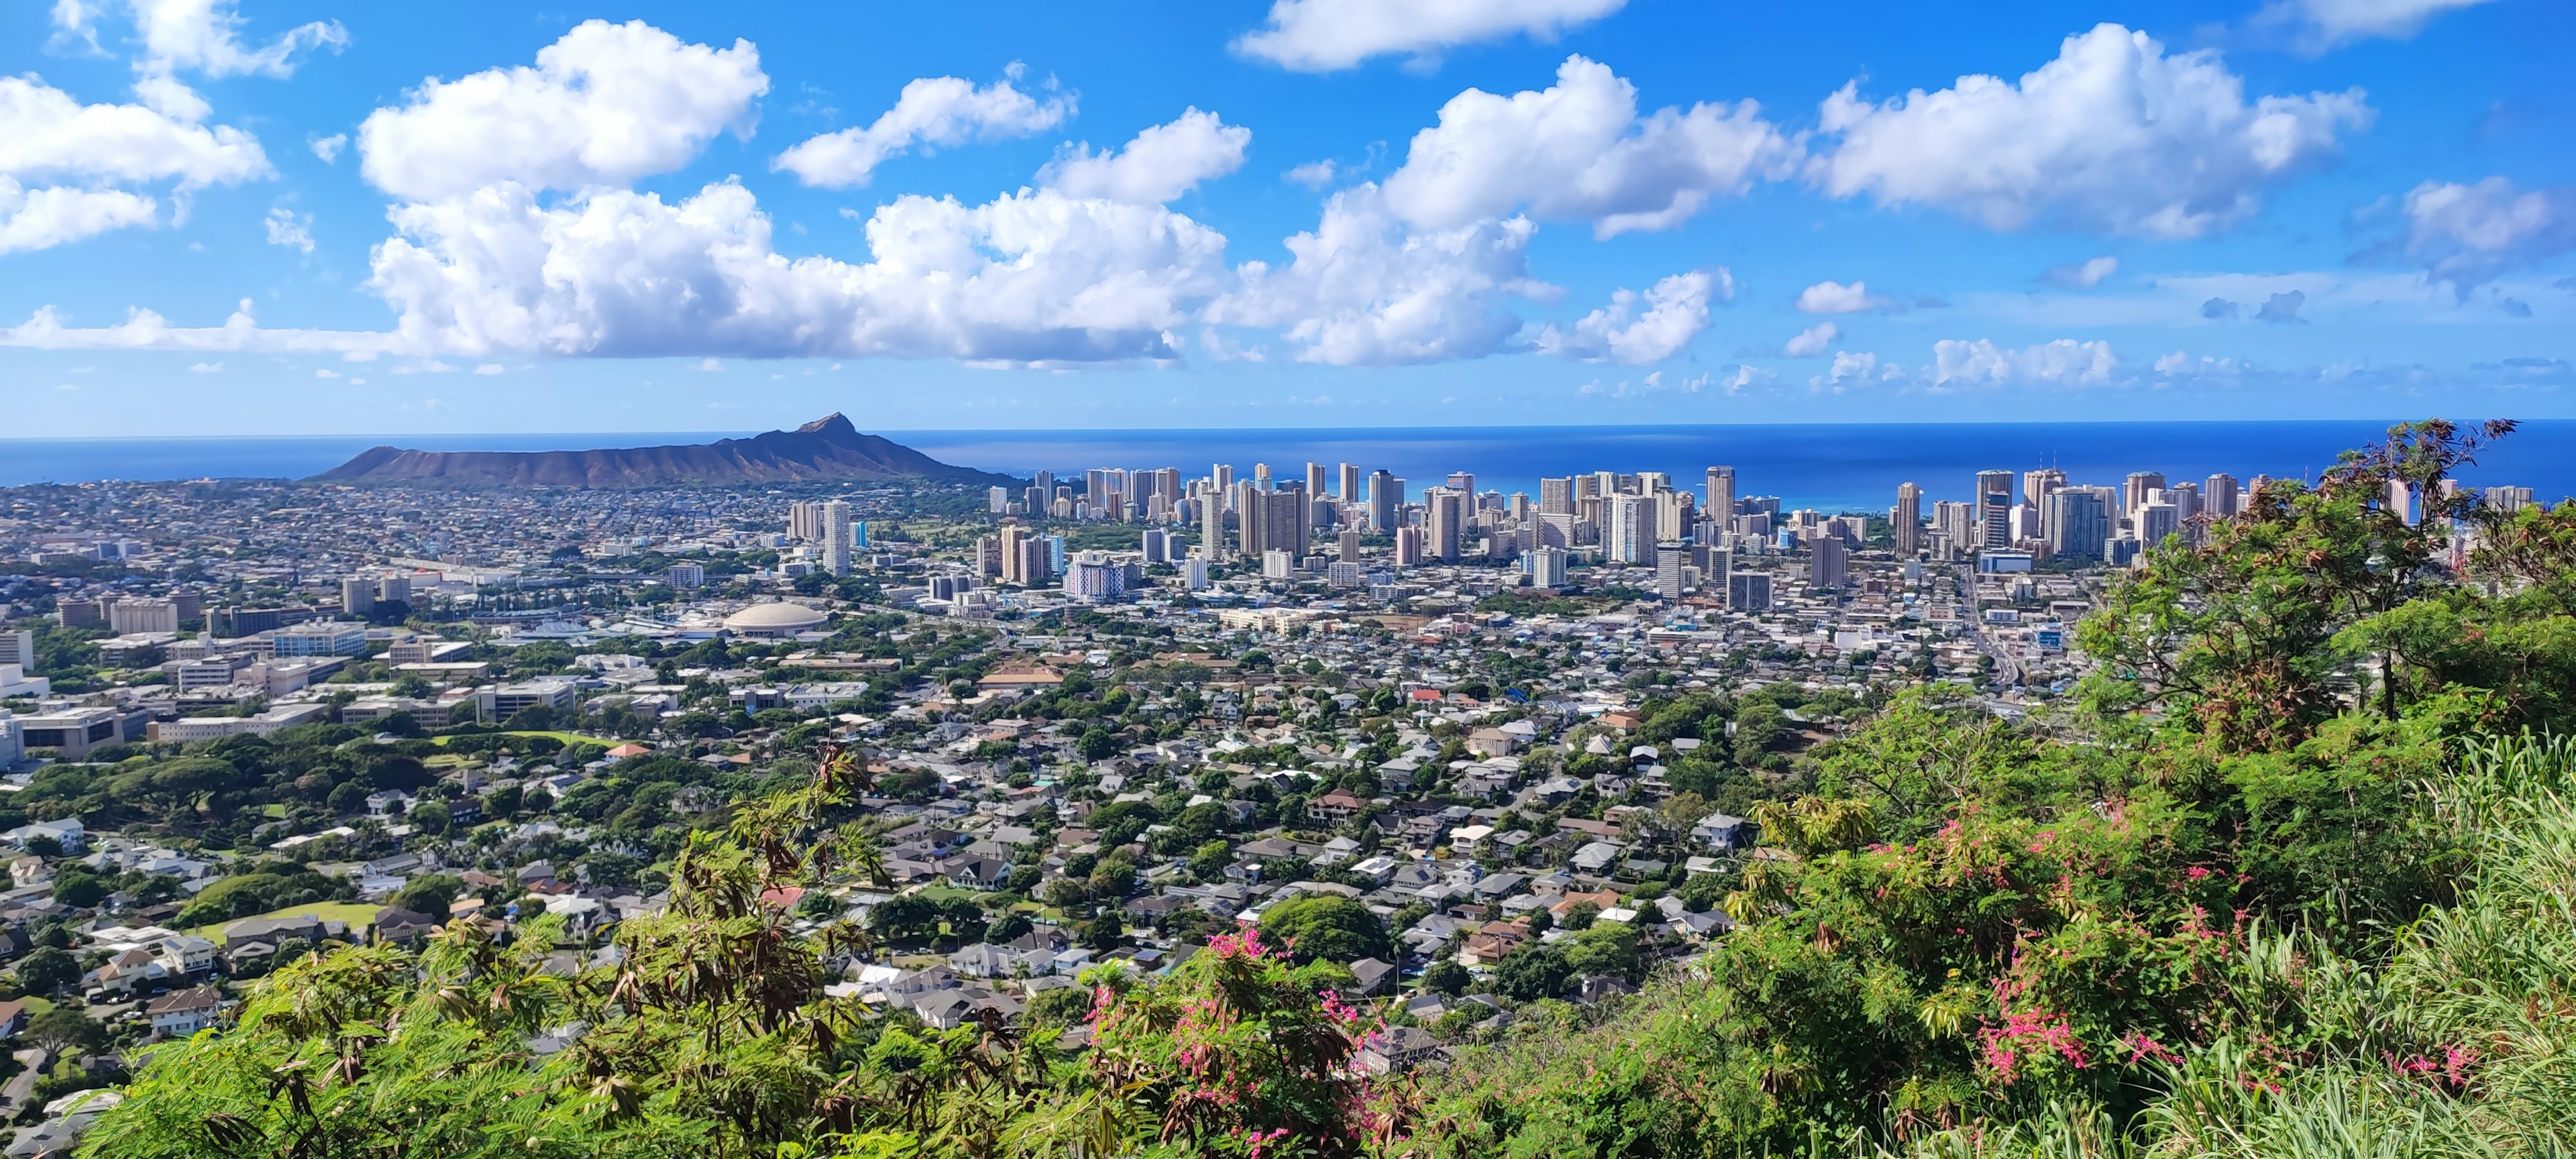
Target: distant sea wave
column 1827, row 466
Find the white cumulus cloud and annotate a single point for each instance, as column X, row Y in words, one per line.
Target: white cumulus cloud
column 1035, row 277
column 2113, row 136
column 1837, row 298
column 62, row 163
column 2064, row 362
column 1676, row 310
column 2468, row 234
column 940, row 111
column 1363, row 290
column 1579, row 151
column 604, row 105
column 1325, row 35
column 1162, row 163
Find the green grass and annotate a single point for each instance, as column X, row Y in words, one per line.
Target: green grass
column 352, row 913
column 570, row 738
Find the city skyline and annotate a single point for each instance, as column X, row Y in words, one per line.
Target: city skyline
column 1295, row 219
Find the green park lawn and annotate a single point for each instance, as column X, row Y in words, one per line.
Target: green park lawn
column 350, row 913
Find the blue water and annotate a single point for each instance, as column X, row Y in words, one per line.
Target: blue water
column 1830, row 467
column 1833, row 467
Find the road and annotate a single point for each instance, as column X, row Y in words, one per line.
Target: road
column 2007, row 669
column 32, row 1063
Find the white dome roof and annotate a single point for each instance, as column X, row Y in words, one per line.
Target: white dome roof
column 781, row 617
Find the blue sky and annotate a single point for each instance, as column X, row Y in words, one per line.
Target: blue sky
column 262, row 216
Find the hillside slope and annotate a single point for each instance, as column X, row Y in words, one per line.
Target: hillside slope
column 827, row 448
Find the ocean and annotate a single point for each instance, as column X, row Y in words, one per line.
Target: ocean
column 1827, row 466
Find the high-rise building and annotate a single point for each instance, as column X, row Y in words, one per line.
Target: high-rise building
column 1748, row 591
column 2078, row 522
column 1349, row 493
column 1956, row 522
column 1627, row 529
column 997, row 500
column 1408, row 547
column 1157, row 545
column 1248, row 514
column 132, row 616
column 2155, row 520
column 1671, row 556
column 1556, row 496
column 2133, row 492
column 1091, row 577
column 393, row 589
column 1194, row 573
column 1386, row 497
column 357, row 596
column 1464, row 483
column 1349, row 548
column 1316, row 509
column 1445, row 525
column 1905, row 524
column 805, row 522
column 2400, row 501
column 1721, row 492
column 1212, row 523
column 1673, row 513
column 1994, row 502
column 1545, row 567
column 1013, row 563
column 836, row 537
column 18, row 647
column 2036, row 487
column 1261, row 476
column 1828, row 566
column 2218, row 496
column 1286, row 524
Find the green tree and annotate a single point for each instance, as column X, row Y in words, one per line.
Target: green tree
column 1325, row 927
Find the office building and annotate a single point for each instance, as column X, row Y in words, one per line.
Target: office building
column 1671, row 557
column 1828, row 565
column 75, row 732
column 836, row 537
column 319, row 638
column 2078, row 522
column 1905, row 524
column 1748, row 591
column 131, row 617
column 1994, row 500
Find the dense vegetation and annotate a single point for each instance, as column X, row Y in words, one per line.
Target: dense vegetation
column 2294, row 880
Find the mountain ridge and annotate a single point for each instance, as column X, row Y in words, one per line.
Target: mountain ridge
column 828, row 448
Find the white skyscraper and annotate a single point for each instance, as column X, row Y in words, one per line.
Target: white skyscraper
column 836, row 537
column 1627, row 528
